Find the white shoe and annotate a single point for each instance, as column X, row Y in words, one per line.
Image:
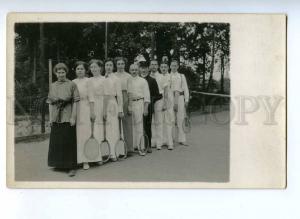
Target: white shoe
column 86, row 166
column 113, row 159
column 158, row 148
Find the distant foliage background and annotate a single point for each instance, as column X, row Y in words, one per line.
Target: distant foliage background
column 202, row 48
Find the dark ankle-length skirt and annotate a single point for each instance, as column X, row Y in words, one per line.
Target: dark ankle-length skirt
column 63, row 146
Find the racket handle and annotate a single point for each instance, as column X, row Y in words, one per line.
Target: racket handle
column 92, row 128
column 104, row 128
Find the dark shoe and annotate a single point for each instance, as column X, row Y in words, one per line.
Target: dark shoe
column 72, row 173
column 170, row 147
column 149, row 150
column 130, row 153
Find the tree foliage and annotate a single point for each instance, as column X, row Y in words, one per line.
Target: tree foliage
column 199, row 46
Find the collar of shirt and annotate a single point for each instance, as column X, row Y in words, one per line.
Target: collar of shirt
column 153, row 74
column 110, row 75
column 62, row 81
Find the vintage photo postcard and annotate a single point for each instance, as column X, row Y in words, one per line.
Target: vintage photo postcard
column 109, row 100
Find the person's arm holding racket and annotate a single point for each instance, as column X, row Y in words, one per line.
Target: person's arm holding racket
column 91, row 101
column 119, row 98
column 186, row 91
column 129, row 92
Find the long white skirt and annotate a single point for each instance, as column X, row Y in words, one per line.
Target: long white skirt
column 157, row 124
column 168, row 122
column 112, row 125
column 83, row 129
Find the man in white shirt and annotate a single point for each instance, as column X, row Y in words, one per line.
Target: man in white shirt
column 127, row 120
column 181, row 98
column 157, row 119
column 139, row 99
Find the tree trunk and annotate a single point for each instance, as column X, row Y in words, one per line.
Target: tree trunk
column 42, row 73
column 222, row 73
column 152, row 45
column 212, row 63
column 34, row 64
column 203, row 71
column 106, row 40
column 58, row 52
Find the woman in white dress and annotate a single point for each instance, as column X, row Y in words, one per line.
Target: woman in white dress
column 168, row 113
column 113, row 106
column 95, row 85
column 85, row 112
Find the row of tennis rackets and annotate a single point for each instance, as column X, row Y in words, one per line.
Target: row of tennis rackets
column 93, row 149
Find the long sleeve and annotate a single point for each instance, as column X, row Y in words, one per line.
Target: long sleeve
column 185, row 89
column 129, row 86
column 146, row 92
column 119, row 95
column 154, row 91
column 90, row 91
column 75, row 93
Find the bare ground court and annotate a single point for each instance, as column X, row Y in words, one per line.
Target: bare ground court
column 205, row 160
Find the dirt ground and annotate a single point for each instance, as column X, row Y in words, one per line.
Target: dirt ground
column 206, row 159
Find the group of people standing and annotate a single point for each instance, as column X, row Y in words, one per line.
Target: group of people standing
column 145, row 99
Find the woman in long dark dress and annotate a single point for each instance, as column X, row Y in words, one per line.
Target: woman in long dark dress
column 63, row 98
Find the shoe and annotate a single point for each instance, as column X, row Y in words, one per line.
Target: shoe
column 72, row 173
column 183, row 144
column 130, row 153
column 158, row 148
column 170, row 148
column 142, row 153
column 149, row 150
column 86, row 166
column 100, row 163
column 113, row 159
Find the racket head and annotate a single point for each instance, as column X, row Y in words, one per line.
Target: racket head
column 105, row 151
column 186, row 125
column 91, row 149
column 144, row 144
column 121, row 150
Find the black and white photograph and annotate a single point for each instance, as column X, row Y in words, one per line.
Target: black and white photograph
column 139, row 101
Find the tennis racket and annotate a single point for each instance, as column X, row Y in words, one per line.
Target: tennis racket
column 121, row 149
column 144, row 143
column 104, row 146
column 186, row 125
column 92, row 146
